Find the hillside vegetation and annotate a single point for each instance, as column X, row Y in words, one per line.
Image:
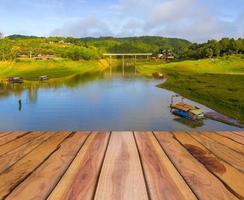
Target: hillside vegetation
column 17, row 46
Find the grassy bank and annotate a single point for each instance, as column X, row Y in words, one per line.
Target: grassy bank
column 31, row 70
column 218, row 83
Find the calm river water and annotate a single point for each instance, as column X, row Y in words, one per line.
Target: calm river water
column 104, row 102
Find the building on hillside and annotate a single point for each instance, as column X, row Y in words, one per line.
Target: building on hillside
column 44, row 57
column 22, row 56
column 166, row 55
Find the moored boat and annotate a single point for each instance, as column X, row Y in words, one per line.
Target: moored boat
column 43, row 78
column 15, row 80
column 186, row 110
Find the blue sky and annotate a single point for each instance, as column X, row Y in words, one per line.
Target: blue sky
column 195, row 20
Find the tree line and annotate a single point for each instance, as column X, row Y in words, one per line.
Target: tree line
column 15, row 46
column 212, row 48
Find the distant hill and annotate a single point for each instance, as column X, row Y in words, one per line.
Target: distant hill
column 15, row 46
column 136, row 44
column 17, row 36
column 123, row 45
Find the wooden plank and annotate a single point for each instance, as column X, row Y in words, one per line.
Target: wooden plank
column 14, row 175
column 163, row 179
column 226, row 141
column 232, row 136
column 232, row 157
column 199, row 166
column 121, row 176
column 38, row 185
column 4, row 133
column 241, row 133
column 79, row 181
column 13, row 156
column 14, row 144
column 11, row 136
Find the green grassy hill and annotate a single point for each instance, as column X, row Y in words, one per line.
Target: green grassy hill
column 136, row 44
column 84, row 48
column 31, row 70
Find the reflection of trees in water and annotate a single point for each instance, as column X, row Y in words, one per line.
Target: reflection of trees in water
column 32, row 95
column 32, row 88
column 128, row 70
column 8, row 89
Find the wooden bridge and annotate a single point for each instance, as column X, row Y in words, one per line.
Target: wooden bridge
column 122, row 165
column 135, row 55
column 123, row 55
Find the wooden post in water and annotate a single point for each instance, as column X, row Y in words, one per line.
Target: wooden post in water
column 135, row 63
column 123, row 65
column 110, row 64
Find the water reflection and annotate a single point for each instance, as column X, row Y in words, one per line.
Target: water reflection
column 32, row 95
column 189, row 123
column 127, row 66
column 7, row 89
column 94, row 102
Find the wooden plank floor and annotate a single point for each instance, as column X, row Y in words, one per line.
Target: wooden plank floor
column 122, row 165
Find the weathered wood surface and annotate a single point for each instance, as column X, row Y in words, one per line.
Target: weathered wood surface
column 216, row 166
column 79, row 182
column 190, row 168
column 225, row 153
column 14, row 175
column 121, row 165
column 13, row 156
column 163, row 180
column 4, row 133
column 233, row 136
column 6, row 137
column 121, row 176
column 38, row 185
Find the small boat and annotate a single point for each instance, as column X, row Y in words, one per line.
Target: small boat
column 43, row 78
column 185, row 110
column 15, row 80
column 158, row 75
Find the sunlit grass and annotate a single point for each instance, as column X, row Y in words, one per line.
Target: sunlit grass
column 31, row 70
column 219, row 83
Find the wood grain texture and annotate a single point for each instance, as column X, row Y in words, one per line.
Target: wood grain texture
column 233, row 136
column 14, row 175
column 241, row 133
column 226, row 141
column 232, row 157
column 9, row 137
column 79, row 181
column 198, row 165
column 172, row 165
column 13, row 156
column 3, row 133
column 39, row 184
column 18, row 142
column 163, row 179
column 121, row 177
column 232, row 177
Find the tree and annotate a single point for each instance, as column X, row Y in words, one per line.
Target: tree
column 209, row 52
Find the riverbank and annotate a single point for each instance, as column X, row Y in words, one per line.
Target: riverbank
column 55, row 69
column 216, row 83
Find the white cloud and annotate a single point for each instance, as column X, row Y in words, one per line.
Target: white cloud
column 191, row 19
column 89, row 26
